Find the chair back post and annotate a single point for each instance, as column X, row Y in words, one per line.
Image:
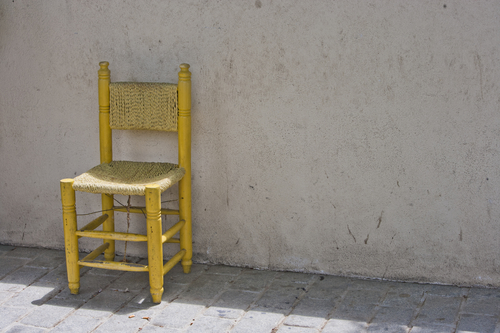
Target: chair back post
column 105, row 145
column 184, row 132
column 104, row 129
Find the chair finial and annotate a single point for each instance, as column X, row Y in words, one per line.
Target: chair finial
column 104, row 64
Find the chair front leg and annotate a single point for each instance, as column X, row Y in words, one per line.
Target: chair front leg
column 70, row 238
column 108, row 225
column 155, row 245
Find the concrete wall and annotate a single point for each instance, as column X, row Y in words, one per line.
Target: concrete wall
column 342, row 137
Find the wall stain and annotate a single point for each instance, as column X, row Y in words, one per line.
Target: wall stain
column 366, row 240
column 460, row 235
column 380, row 219
column 350, row 233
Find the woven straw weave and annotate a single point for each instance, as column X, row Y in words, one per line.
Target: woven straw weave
column 143, row 106
column 128, row 178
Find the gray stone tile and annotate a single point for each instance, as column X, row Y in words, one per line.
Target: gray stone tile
column 8, row 265
column 295, row 329
column 24, row 252
column 363, row 296
column 358, row 313
column 76, row 323
column 32, row 296
column 438, row 310
column 335, row 325
column 143, row 299
column 204, row 289
column 391, row 320
column 278, row 300
column 90, row 285
column 484, row 292
column 360, row 284
column 177, row 275
column 252, row 280
column 224, row 270
column 310, row 312
column 257, row 321
column 5, row 248
column 210, row 325
column 177, row 315
column 328, row 287
column 48, row 259
column 21, row 278
column 402, row 298
column 126, row 322
column 430, row 328
column 104, row 303
column 51, row 313
column 19, row 328
column 6, row 295
column 152, row 328
column 449, row 291
column 482, row 305
column 232, row 304
column 10, row 315
column 476, row 323
column 132, row 281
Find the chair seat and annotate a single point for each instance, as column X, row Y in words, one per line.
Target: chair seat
column 128, row 178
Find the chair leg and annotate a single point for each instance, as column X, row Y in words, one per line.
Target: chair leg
column 155, row 245
column 70, row 238
column 185, row 234
column 108, row 225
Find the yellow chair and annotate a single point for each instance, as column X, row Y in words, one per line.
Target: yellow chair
column 130, row 105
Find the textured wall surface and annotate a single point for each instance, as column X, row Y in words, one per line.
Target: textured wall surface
column 342, row 137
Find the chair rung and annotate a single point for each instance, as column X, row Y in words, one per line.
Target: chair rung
column 172, row 231
column 122, row 236
column 142, row 210
column 94, row 254
column 116, row 265
column 95, row 223
column 173, row 240
column 174, row 260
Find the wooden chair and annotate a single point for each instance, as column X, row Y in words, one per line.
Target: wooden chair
column 130, row 105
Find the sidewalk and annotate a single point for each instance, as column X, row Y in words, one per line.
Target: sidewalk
column 34, row 298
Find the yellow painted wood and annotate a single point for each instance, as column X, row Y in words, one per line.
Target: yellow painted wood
column 122, row 236
column 172, row 231
column 95, row 223
column 115, row 265
column 106, row 150
column 173, row 240
column 184, row 134
column 142, row 210
column 155, row 245
column 174, row 260
column 94, row 254
column 70, row 238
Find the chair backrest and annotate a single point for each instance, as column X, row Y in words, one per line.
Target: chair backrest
column 145, row 106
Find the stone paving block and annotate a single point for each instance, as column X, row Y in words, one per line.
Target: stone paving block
column 57, row 275
column 90, row 285
column 256, row 321
column 51, row 313
column 21, row 278
column 391, row 320
column 177, row 315
column 408, row 288
column 294, row 329
column 105, row 303
column 5, row 248
column 32, row 296
column 210, row 325
column 280, row 301
column 291, row 277
column 24, row 252
column 335, row 325
column 48, row 259
column 449, row 291
column 223, row 270
column 232, row 304
column 76, row 323
column 132, row 281
column 204, row 289
column 438, row 310
column 482, row 305
column 363, row 296
column 429, row 328
column 10, row 315
column 152, row 328
column 328, row 287
column 402, row 299
column 310, row 312
column 252, row 280
column 124, row 322
column 8, row 265
column 476, row 323
column 18, row 328
column 6, row 295
column 484, row 292
column 143, row 299
column 360, row 284
column 358, row 313
column 177, row 275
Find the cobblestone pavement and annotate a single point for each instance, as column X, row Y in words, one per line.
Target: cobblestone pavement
column 34, row 298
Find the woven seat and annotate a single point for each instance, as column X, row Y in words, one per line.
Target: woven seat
column 128, row 178
column 156, row 106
